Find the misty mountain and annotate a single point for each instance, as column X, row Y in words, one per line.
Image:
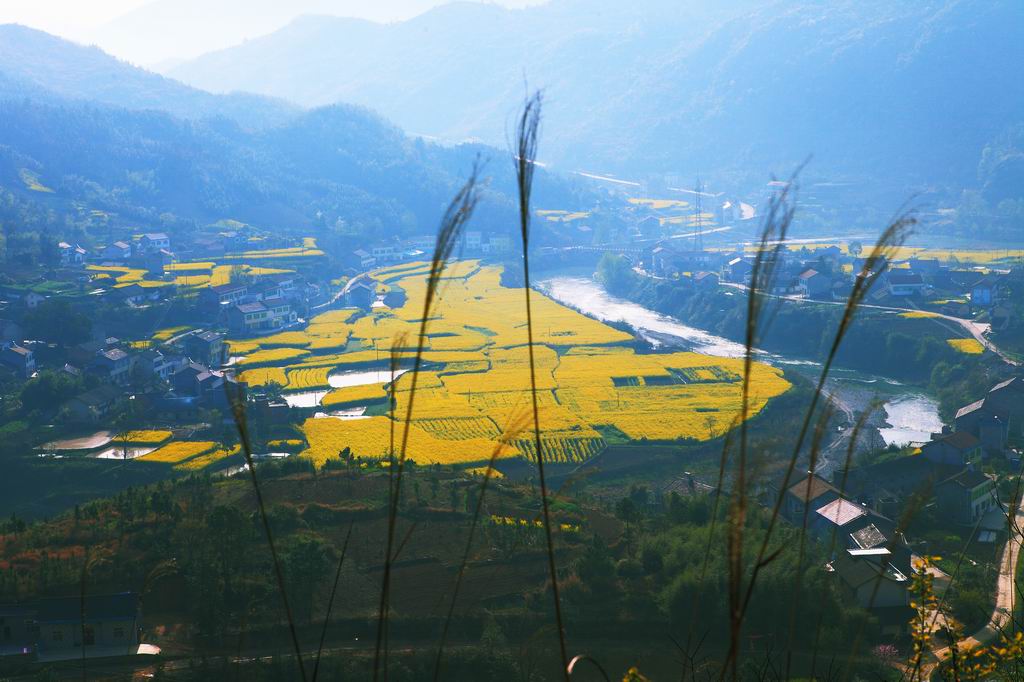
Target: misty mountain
column 39, row 65
column 903, row 94
column 176, row 29
column 326, row 168
column 318, row 168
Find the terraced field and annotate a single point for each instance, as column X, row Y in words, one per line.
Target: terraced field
column 476, row 380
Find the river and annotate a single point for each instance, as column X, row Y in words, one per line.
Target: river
column 910, row 416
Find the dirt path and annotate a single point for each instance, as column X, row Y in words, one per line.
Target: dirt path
column 1005, row 599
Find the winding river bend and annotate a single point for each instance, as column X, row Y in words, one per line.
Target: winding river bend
column 909, row 415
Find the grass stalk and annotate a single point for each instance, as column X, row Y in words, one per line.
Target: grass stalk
column 525, row 160
column 455, row 218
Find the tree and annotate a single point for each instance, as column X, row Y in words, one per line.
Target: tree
column 46, row 391
column 306, row 561
column 56, row 321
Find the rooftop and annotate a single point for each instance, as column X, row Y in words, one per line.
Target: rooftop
column 841, row 511
column 810, row 488
column 967, row 409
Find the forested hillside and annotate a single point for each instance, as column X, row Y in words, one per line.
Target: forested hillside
column 338, row 168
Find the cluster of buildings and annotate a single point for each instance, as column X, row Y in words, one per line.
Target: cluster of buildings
column 421, row 247
column 180, row 374
column 871, row 559
column 268, row 304
column 828, row 273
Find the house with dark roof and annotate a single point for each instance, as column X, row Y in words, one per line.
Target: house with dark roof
column 93, row 405
column 231, row 293
column 113, row 365
column 739, row 269
column 984, row 423
column 984, row 291
column 706, row 280
column 966, row 496
column 904, row 283
column 206, row 347
column 1007, row 397
column 361, row 293
column 953, row 449
column 807, row 492
column 871, row 578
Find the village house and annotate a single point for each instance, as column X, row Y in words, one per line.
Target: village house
column 152, row 362
column 112, row 364
column 154, row 241
column 32, row 300
column 952, row 449
column 71, row 255
column 199, row 381
column 808, row 492
column 17, row 631
column 231, row 293
column 904, row 283
column 985, row 424
column 206, row 347
column 870, row 577
column 813, row 284
column 364, row 258
column 104, row 625
column 136, row 294
column 966, row 496
column 707, row 281
column 385, row 253
column 18, row 359
column 739, row 270
column 268, row 314
column 361, row 293
column 1007, row 397
column 156, row 261
column 92, row 406
column 984, row 291
column 118, row 251
column 670, row 257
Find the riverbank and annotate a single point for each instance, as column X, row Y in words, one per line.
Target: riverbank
column 899, row 413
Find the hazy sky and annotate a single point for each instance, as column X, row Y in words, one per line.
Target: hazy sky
column 158, row 32
column 71, row 18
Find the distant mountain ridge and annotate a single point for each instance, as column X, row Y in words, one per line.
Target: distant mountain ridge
column 95, row 132
column 906, row 93
column 37, row 64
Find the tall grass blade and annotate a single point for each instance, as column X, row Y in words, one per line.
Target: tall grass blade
column 525, row 159
column 330, row 604
column 454, row 220
column 236, row 399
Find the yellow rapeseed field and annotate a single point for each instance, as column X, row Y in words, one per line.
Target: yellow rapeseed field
column 145, row 437
column 969, row 346
column 475, row 380
column 371, row 437
column 179, row 451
